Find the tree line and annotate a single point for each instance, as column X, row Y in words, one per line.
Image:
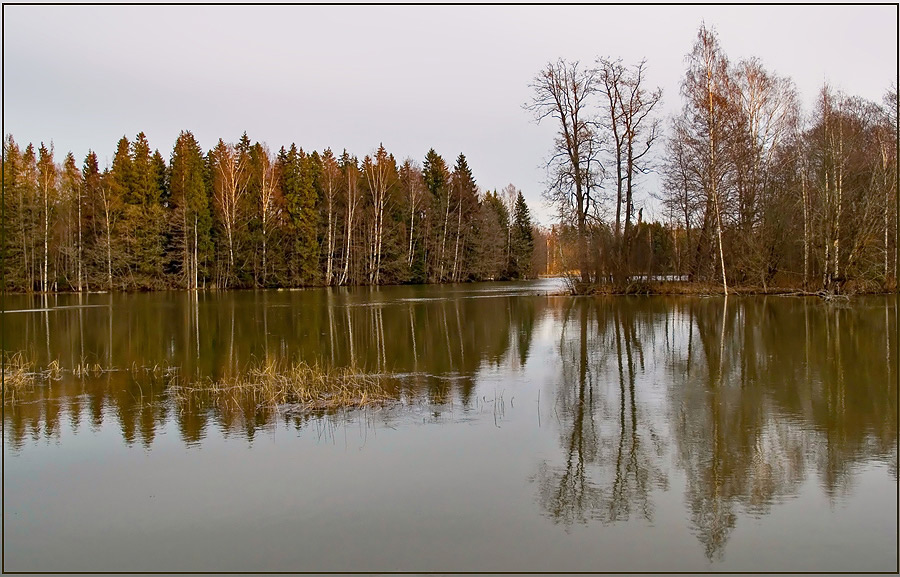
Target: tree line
column 241, row 216
column 754, row 192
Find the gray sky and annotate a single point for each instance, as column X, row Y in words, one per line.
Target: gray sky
column 451, row 78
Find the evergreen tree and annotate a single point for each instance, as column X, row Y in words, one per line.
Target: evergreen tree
column 437, row 181
column 14, row 256
column 47, row 189
column 298, row 189
column 190, row 216
column 92, row 235
column 522, row 239
column 490, row 245
column 465, row 201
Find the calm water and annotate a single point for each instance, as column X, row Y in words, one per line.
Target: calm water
column 532, row 433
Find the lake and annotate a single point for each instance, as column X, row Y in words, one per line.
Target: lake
column 530, row 432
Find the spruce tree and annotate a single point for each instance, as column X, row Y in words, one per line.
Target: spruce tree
column 190, row 212
column 522, row 239
column 298, row 190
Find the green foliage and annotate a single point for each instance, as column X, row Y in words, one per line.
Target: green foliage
column 298, row 177
column 522, row 240
column 149, row 224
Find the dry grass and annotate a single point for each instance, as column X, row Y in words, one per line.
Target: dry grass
column 291, row 387
column 295, row 387
column 18, row 376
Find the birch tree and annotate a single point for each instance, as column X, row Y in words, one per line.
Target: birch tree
column 47, row 181
column 331, row 181
column 381, row 178
column 229, row 187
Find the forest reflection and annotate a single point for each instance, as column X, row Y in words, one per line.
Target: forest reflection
column 432, row 343
column 745, row 398
column 748, row 397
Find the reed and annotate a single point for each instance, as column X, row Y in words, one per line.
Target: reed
column 290, row 386
column 18, row 376
column 278, row 385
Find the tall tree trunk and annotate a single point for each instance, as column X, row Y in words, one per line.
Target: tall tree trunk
column 45, row 286
column 839, row 182
column 444, row 239
column 456, row 246
column 329, row 269
column 80, row 251
column 712, row 174
column 108, row 251
column 805, row 230
column 412, row 222
column 196, row 257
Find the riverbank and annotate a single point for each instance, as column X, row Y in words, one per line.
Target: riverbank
column 702, row 289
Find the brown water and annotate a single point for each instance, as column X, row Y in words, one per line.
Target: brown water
column 531, row 433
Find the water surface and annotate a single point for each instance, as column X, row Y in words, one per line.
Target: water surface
column 532, row 432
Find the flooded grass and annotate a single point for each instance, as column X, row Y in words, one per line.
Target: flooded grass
column 289, row 387
column 18, row 377
column 293, row 387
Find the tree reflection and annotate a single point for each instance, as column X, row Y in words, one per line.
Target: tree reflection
column 434, row 339
column 611, row 453
column 756, row 395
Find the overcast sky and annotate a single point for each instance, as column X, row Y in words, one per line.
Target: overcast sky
column 449, row 78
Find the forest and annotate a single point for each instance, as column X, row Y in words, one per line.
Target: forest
column 241, row 216
column 754, row 193
column 751, row 192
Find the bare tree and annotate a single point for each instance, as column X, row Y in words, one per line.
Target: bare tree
column 229, row 187
column 352, row 198
column 268, row 184
column 331, row 180
column 701, row 132
column 381, row 176
column 629, row 106
column 562, row 91
column 414, row 191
